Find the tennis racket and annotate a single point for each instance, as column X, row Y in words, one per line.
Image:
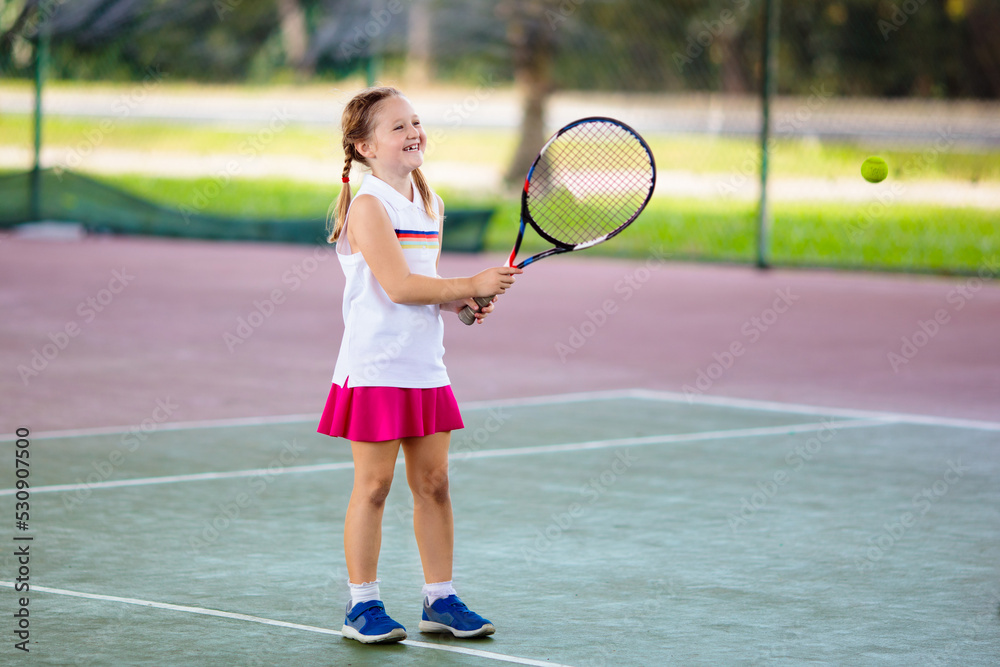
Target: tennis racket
column 588, row 183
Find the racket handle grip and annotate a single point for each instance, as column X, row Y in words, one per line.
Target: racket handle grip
column 467, row 315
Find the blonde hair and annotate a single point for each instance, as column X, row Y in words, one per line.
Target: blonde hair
column 358, row 125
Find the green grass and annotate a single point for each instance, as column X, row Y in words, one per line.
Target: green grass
column 899, row 237
column 903, row 237
column 252, row 198
column 161, row 137
column 314, row 142
column 240, row 198
column 692, row 153
column 796, row 158
column 850, row 235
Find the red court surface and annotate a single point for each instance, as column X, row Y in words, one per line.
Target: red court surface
column 117, row 331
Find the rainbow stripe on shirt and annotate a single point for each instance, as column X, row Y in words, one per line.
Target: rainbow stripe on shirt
column 411, row 239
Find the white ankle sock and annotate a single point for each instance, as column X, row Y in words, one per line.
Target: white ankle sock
column 364, row 592
column 434, row 592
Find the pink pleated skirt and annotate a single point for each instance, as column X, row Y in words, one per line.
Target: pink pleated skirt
column 375, row 414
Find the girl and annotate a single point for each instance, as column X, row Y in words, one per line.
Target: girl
column 390, row 387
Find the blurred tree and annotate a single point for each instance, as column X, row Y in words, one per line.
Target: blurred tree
column 13, row 25
column 530, row 31
column 295, row 36
column 925, row 48
column 419, row 57
column 351, row 34
column 983, row 26
column 931, row 48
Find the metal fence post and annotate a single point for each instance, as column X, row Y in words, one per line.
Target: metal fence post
column 41, row 63
column 769, row 68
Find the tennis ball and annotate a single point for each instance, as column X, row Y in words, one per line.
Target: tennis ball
column 874, row 169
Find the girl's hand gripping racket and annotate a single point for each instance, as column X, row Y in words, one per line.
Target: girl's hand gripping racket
column 588, row 183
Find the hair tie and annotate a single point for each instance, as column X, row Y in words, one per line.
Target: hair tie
column 346, row 179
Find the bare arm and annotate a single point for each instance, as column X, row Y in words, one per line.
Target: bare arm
column 373, row 235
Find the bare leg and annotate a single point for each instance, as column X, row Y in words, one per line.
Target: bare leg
column 433, row 525
column 374, row 464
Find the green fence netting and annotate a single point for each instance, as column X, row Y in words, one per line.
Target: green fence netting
column 65, row 196
column 914, row 81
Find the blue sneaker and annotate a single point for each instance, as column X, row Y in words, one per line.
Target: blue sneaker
column 368, row 623
column 451, row 615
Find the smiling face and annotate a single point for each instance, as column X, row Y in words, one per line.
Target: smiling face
column 398, row 142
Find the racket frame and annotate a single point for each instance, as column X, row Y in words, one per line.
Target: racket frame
column 559, row 246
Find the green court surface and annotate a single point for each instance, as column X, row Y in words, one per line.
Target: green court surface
column 616, row 528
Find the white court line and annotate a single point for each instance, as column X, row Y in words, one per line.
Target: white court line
column 550, row 399
column 168, row 426
column 759, row 431
column 193, row 477
column 798, row 408
column 555, row 399
column 789, row 429
column 282, row 624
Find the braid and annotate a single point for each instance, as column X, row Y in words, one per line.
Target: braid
column 347, row 166
column 358, row 124
column 336, row 215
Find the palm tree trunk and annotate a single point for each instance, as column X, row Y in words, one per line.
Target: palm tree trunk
column 531, row 39
column 294, row 34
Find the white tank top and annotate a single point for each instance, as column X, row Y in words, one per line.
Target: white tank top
column 388, row 344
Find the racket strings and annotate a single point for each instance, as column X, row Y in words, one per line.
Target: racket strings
column 590, row 181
